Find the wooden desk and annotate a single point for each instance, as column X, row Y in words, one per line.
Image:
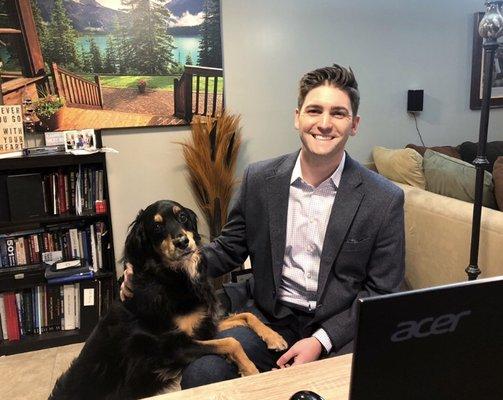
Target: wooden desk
column 329, row 378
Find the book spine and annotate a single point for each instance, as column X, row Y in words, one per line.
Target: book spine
column 12, row 317
column 11, row 252
column 3, row 317
column 28, row 312
column 4, row 256
column 69, row 296
column 19, row 309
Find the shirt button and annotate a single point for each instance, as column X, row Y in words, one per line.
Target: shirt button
column 311, row 220
column 308, row 275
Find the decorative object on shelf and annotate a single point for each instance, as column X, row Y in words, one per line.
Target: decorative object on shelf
column 11, row 128
column 490, row 29
column 83, row 140
column 49, row 110
column 29, row 116
column 478, row 59
column 142, row 85
column 210, row 155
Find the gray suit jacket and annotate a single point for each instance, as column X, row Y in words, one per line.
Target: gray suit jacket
column 363, row 251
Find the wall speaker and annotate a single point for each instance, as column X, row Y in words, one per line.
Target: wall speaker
column 415, row 100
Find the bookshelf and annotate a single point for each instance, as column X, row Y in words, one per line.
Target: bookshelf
column 58, row 226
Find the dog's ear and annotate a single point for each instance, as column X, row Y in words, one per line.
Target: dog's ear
column 136, row 242
column 192, row 224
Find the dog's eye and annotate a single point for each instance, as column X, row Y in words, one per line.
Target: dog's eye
column 157, row 228
column 182, row 217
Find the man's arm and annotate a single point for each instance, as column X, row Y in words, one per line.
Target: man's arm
column 385, row 271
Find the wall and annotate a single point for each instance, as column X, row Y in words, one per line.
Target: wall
column 391, row 45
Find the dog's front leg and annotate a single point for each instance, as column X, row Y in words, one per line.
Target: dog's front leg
column 233, row 350
column 273, row 339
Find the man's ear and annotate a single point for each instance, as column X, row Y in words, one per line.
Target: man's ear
column 296, row 118
column 193, row 224
column 355, row 123
column 136, row 241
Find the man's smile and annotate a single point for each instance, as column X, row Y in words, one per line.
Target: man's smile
column 321, row 137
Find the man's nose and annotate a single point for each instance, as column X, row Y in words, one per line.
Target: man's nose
column 181, row 242
column 325, row 122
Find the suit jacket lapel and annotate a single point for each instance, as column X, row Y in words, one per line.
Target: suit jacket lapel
column 278, row 187
column 346, row 203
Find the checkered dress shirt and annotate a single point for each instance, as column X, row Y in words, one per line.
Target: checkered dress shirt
column 309, row 210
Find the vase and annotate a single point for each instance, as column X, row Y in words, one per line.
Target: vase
column 54, row 122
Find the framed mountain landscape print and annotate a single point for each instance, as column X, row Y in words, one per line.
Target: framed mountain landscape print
column 113, row 63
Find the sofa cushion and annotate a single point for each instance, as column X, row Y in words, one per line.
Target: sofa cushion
column 455, row 178
column 447, row 150
column 400, row 165
column 468, row 152
column 498, row 181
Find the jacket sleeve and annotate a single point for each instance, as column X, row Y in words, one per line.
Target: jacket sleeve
column 385, row 272
column 229, row 250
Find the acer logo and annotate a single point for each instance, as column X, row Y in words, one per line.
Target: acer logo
column 428, row 326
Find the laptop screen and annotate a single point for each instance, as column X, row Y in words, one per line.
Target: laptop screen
column 442, row 343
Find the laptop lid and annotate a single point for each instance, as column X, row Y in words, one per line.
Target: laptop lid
column 442, row 343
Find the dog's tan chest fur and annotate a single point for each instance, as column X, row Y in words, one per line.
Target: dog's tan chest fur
column 190, row 322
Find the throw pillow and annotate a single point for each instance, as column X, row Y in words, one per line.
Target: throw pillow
column 468, row 152
column 498, row 181
column 455, row 178
column 400, row 165
column 447, row 150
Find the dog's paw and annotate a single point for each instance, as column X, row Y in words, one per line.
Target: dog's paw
column 248, row 369
column 275, row 341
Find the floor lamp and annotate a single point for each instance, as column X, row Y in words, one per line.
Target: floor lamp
column 490, row 28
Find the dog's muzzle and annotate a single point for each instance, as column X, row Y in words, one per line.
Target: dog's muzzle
column 181, row 242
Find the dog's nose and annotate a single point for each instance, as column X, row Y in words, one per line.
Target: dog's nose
column 181, row 242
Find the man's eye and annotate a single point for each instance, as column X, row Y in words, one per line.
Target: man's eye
column 182, row 217
column 340, row 114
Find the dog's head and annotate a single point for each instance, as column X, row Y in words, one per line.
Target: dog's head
column 164, row 231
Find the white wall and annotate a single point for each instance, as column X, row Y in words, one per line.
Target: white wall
column 391, row 45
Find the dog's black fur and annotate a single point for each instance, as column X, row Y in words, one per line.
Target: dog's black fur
column 138, row 347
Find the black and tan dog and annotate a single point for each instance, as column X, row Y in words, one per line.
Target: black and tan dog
column 140, row 346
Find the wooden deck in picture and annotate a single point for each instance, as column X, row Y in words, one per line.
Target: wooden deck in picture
column 82, row 118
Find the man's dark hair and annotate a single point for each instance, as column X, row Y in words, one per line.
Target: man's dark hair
column 336, row 76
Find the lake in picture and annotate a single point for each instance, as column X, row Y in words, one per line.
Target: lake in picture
column 184, row 45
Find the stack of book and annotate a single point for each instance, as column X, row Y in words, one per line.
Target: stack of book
column 49, row 308
column 68, row 271
column 57, row 242
column 72, row 191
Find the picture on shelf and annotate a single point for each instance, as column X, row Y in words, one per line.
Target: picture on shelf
column 114, row 69
column 80, row 140
column 11, row 128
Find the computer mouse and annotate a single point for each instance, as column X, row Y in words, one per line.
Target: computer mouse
column 306, row 395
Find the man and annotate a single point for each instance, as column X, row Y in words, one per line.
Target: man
column 320, row 229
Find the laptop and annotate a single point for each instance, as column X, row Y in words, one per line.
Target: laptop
column 443, row 343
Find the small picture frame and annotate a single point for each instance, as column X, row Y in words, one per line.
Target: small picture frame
column 83, row 140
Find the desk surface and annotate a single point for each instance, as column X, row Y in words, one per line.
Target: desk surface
column 329, row 378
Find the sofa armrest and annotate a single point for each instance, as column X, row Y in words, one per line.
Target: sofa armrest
column 438, row 239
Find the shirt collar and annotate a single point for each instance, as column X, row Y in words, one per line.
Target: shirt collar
column 335, row 177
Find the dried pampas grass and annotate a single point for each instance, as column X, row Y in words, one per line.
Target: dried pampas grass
column 211, row 154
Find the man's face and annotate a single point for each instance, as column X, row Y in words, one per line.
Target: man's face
column 325, row 122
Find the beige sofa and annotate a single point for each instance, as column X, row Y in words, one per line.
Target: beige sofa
column 438, row 236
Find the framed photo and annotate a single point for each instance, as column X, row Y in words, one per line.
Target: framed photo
column 80, row 141
column 477, row 71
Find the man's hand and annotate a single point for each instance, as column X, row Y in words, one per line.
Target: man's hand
column 302, row 352
column 126, row 291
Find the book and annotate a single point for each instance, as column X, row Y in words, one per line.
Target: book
column 69, row 307
column 72, row 278
column 3, row 318
column 12, row 317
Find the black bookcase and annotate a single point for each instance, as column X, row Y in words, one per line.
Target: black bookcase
column 29, row 275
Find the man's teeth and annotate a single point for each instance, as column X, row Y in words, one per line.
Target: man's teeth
column 321, row 137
